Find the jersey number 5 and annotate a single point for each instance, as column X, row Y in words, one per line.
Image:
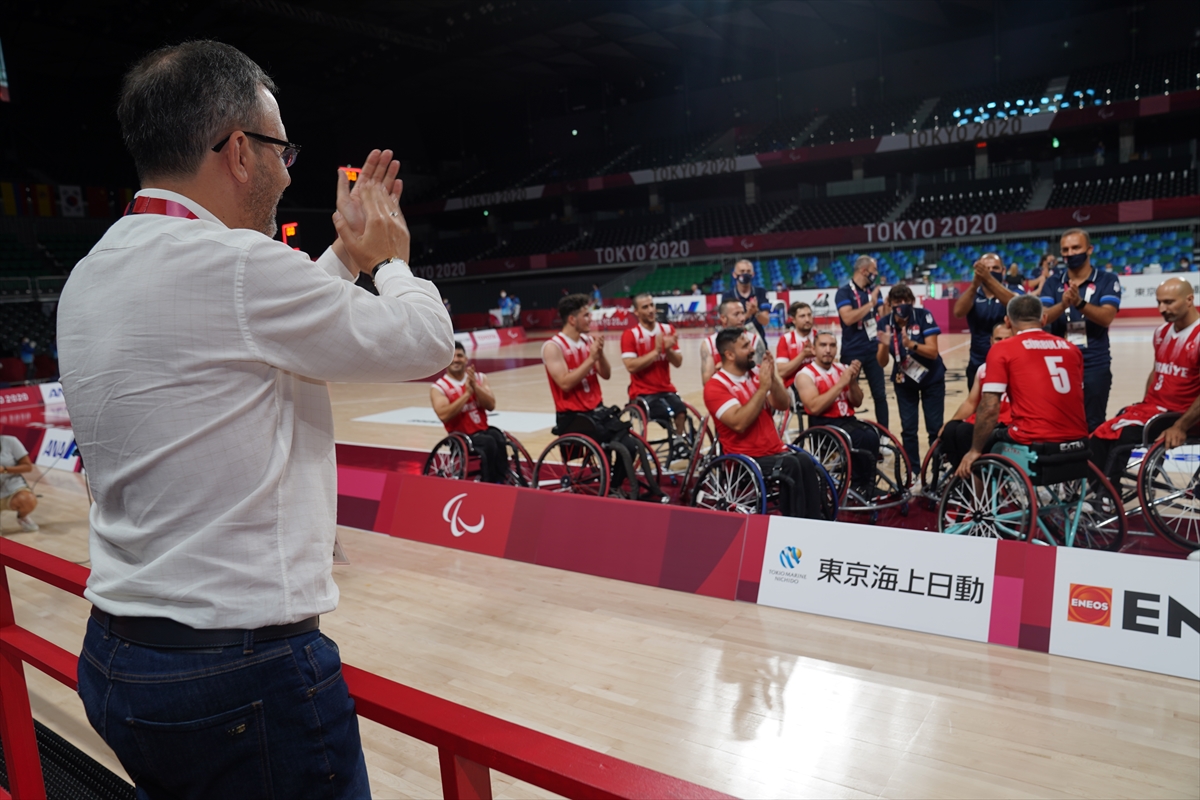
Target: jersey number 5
column 1058, row 374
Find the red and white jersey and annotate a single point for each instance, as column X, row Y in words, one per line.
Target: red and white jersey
column 472, row 418
column 1043, row 376
column 724, row 392
column 587, row 393
column 712, row 345
column 1176, row 367
column 825, row 380
column 1005, row 416
column 791, row 344
column 656, row 378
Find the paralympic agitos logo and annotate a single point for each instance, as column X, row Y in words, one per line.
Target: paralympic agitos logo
column 450, row 514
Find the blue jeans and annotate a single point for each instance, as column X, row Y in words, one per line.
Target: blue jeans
column 911, row 398
column 274, row 720
column 875, row 380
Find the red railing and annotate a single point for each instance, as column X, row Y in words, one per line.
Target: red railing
column 469, row 742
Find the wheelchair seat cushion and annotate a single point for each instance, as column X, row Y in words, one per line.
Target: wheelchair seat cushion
column 1048, row 463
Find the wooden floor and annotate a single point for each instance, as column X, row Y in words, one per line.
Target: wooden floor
column 755, row 701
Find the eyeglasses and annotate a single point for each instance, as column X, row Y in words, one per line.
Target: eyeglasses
column 290, row 151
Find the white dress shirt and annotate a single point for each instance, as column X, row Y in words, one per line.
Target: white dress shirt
column 194, row 362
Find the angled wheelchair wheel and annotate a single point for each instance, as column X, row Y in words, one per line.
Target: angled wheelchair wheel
column 635, row 414
column 450, row 458
column 1086, row 513
column 582, row 467
column 623, row 485
column 829, row 488
column 520, row 464
column 893, row 472
column 935, row 472
column 731, row 483
column 1169, row 492
column 704, row 449
column 996, row 501
column 832, row 451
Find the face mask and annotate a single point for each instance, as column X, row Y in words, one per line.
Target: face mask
column 1076, row 261
column 745, row 278
column 903, row 312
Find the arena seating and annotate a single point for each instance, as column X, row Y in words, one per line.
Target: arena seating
column 998, row 196
column 19, row 320
column 669, row 150
column 666, row 280
column 737, row 219
column 543, row 239
column 992, row 102
column 865, row 122
column 66, row 249
column 461, row 248
column 1172, row 72
column 1132, row 181
column 17, row 261
column 636, row 230
column 838, row 212
column 782, row 134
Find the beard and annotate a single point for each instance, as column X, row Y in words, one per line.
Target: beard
column 263, row 200
column 744, row 363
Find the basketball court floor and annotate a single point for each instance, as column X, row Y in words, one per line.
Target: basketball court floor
column 755, row 701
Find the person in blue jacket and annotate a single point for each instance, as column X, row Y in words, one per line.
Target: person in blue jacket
column 857, row 306
column 908, row 336
column 1081, row 303
column 983, row 303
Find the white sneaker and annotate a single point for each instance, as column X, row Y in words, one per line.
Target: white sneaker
column 1194, row 555
column 27, row 524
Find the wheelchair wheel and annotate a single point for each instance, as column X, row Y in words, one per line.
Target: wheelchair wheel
column 935, row 472
column 520, row 465
column 634, row 487
column 731, row 483
column 704, row 449
column 1169, row 492
column 582, row 469
column 893, row 472
column 636, row 416
column 832, row 451
column 1085, row 513
column 997, row 501
column 829, row 488
column 450, row 458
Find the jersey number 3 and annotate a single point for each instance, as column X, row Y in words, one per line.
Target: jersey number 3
column 1058, row 374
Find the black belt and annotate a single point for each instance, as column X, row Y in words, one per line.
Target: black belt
column 167, row 633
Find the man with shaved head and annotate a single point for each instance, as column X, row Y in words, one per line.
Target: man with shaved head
column 1172, row 385
column 1081, row 303
column 983, row 304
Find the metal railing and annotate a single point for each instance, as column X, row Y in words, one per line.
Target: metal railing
column 470, row 743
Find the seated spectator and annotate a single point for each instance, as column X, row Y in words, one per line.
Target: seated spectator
column 1043, row 377
column 730, row 314
column 957, row 434
column 461, row 398
column 1172, row 385
column 830, row 393
column 15, row 494
column 649, row 350
column 739, row 398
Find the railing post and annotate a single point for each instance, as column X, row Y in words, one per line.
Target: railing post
column 463, row 779
column 16, row 720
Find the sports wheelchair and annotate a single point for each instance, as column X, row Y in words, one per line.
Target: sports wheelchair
column 1165, row 482
column 1045, row 493
column 455, row 457
column 672, row 449
column 889, row 487
column 734, row 482
column 590, row 462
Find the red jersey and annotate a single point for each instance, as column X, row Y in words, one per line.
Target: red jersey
column 791, row 344
column 712, row 345
column 587, row 394
column 1176, row 367
column 1043, row 376
column 656, row 378
column 472, row 418
column 1005, row 417
column 825, row 380
column 727, row 391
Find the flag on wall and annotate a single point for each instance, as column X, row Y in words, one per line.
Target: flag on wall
column 8, row 200
column 97, row 202
column 70, row 201
column 43, row 204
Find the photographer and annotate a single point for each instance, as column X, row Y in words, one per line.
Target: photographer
column 909, row 335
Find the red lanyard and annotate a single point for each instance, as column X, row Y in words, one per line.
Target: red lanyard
column 158, row 205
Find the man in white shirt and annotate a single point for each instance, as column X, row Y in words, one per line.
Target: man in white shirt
column 195, row 353
column 15, row 494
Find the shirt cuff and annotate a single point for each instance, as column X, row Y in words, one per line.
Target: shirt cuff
column 731, row 403
column 629, row 355
column 334, row 266
column 995, row 388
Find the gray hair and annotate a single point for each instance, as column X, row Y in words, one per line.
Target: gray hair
column 178, row 101
column 862, row 261
column 1025, row 309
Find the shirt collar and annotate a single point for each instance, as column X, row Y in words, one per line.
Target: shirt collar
column 185, row 201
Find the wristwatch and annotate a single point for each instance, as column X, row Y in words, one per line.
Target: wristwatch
column 1079, row 306
column 384, row 263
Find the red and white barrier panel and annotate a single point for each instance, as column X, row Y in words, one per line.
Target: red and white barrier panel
column 491, row 337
